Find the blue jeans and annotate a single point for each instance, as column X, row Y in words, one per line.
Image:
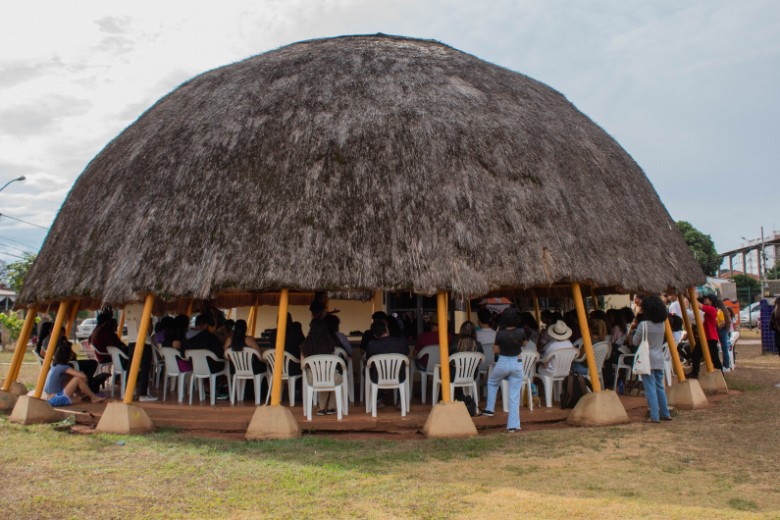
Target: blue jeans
column 656, row 394
column 723, row 335
column 507, row 367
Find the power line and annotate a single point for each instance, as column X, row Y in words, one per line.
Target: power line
column 23, row 221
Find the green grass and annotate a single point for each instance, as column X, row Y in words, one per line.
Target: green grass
column 719, row 462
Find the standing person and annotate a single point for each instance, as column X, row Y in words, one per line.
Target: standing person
column 724, row 332
column 711, row 334
column 509, row 342
column 654, row 328
column 774, row 325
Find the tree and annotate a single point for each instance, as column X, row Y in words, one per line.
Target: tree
column 16, row 272
column 774, row 273
column 702, row 247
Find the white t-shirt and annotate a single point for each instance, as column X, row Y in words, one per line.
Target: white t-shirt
column 674, row 308
column 554, row 345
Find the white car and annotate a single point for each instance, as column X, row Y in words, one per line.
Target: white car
column 748, row 317
column 84, row 330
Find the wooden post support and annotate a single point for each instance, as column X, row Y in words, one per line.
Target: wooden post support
column 281, row 333
column 376, row 303
column 121, row 325
column 586, row 340
column 189, row 307
column 537, row 312
column 468, row 310
column 53, row 338
column 444, row 346
column 705, row 349
column 230, row 313
column 594, row 300
column 21, row 347
column 678, row 368
column 72, row 321
column 253, row 326
column 138, row 350
column 686, row 321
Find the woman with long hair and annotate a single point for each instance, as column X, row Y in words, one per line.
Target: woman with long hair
column 653, row 328
column 466, row 340
column 64, row 381
column 239, row 340
column 320, row 341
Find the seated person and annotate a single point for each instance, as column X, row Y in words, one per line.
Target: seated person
column 239, row 341
column 320, row 341
column 598, row 333
column 385, row 344
column 332, row 322
column 531, row 329
column 559, row 334
column 43, row 338
column 105, row 336
column 64, row 380
column 205, row 340
column 426, row 339
column 486, row 335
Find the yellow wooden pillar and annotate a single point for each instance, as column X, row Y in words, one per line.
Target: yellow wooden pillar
column 62, row 312
column 189, row 307
column 586, row 340
column 468, row 310
column 21, row 347
column 705, row 349
column 121, row 325
column 537, row 312
column 686, row 321
column 678, row 368
column 594, row 300
column 254, row 310
column 72, row 321
column 230, row 313
column 376, row 302
column 444, row 347
column 138, row 350
column 281, row 334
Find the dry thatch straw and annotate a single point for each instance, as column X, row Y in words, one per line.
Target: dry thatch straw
column 359, row 163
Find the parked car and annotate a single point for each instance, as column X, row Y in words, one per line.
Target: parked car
column 84, row 330
column 748, row 317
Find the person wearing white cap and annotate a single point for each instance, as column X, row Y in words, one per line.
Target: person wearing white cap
column 560, row 334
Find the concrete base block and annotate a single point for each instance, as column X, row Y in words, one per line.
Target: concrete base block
column 598, row 409
column 687, row 395
column 272, row 422
column 7, row 400
column 713, row 382
column 18, row 388
column 29, row 410
column 123, row 418
column 449, row 420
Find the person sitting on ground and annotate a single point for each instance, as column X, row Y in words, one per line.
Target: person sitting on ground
column 320, row 341
column 64, row 380
column 105, row 336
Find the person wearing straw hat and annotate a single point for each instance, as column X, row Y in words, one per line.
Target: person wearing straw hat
column 510, row 339
column 560, row 334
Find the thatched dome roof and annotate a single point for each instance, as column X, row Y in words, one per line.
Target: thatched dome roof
column 359, row 163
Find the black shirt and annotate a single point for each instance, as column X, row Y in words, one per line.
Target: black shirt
column 204, row 340
column 510, row 342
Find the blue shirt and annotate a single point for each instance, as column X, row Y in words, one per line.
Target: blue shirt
column 56, row 380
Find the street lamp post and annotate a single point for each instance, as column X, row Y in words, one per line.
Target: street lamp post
column 20, row 178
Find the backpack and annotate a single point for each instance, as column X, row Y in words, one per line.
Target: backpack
column 471, row 405
column 574, row 387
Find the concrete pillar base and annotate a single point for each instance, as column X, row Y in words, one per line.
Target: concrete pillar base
column 713, row 382
column 272, row 422
column 123, row 418
column 598, row 409
column 7, row 400
column 29, row 410
column 687, row 395
column 449, row 420
column 18, row 388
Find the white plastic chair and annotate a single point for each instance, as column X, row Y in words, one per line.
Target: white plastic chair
column 733, row 338
column 117, row 369
column 529, row 358
column 89, row 351
column 243, row 371
column 158, row 365
column 625, row 363
column 434, row 358
column 558, row 367
column 172, row 370
column 388, row 368
column 489, row 357
column 323, row 379
column 200, row 371
column 350, row 372
column 466, row 366
column 600, row 352
column 269, row 356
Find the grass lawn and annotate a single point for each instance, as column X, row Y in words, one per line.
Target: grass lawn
column 721, row 462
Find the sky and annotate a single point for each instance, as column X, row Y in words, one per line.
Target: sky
column 689, row 88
